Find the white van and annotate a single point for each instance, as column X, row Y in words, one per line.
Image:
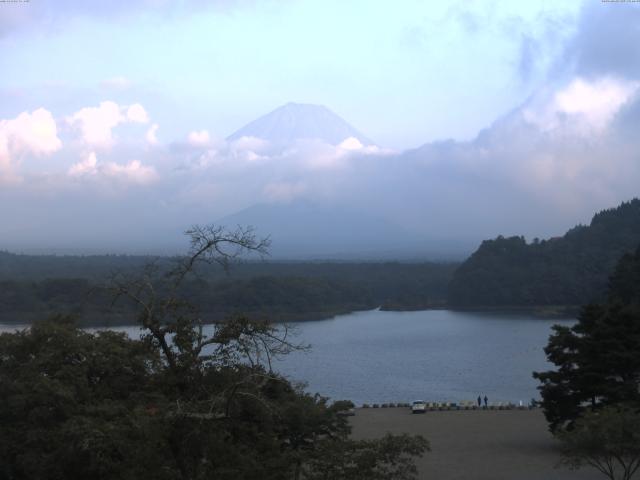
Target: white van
column 419, row 406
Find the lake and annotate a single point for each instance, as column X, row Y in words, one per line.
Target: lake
column 436, row 355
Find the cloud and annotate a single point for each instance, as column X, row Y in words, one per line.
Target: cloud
column 568, row 150
column 557, row 157
column 529, row 53
column 151, row 135
column 137, row 114
column 28, row 134
column 586, row 106
column 198, row 138
column 118, row 83
column 606, row 41
column 249, row 144
column 97, row 123
column 534, row 171
column 132, row 172
column 318, row 155
column 596, row 102
column 88, row 166
column 351, row 143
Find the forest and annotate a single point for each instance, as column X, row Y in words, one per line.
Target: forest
column 31, row 286
column 570, row 270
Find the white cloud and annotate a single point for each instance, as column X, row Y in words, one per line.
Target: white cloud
column 316, row 154
column 118, row 82
column 136, row 113
column 585, row 107
column 597, row 102
column 29, row 133
column 351, row 143
column 198, row 138
column 324, row 156
column 249, row 143
column 151, row 136
column 132, row 172
column 96, row 123
column 88, row 166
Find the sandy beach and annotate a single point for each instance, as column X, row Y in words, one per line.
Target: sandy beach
column 475, row 445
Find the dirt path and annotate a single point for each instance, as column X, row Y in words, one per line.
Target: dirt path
column 475, row 445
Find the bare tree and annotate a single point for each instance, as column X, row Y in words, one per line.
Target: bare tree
column 220, row 383
column 175, row 326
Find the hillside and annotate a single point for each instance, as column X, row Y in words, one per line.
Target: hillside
column 568, row 270
column 305, row 230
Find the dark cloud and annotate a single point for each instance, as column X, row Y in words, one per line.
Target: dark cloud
column 540, row 42
column 529, row 52
column 607, row 41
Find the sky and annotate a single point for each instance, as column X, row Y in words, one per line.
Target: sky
column 488, row 117
column 220, row 66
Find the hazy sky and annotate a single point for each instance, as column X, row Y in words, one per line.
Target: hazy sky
column 489, row 116
column 404, row 73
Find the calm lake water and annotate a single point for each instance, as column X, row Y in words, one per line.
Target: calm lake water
column 436, row 355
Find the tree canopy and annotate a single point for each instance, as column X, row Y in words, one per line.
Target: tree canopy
column 33, row 287
column 178, row 403
column 568, row 270
column 607, row 440
column 597, row 359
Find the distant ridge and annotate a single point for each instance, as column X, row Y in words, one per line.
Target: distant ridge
column 305, row 230
column 300, row 121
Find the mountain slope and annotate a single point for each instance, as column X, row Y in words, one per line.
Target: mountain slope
column 299, row 121
column 569, row 270
column 303, row 229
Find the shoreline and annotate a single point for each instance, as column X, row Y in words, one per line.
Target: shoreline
column 117, row 320
column 543, row 311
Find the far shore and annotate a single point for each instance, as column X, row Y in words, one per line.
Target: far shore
column 475, row 444
column 103, row 320
column 542, row 311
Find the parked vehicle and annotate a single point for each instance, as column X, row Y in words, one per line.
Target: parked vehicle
column 419, row 406
column 349, row 412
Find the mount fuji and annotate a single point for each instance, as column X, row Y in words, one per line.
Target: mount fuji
column 300, row 121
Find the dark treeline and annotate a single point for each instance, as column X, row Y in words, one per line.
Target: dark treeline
column 281, row 291
column 591, row 397
column 506, row 272
column 598, row 358
column 568, row 270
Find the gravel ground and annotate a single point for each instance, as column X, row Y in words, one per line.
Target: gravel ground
column 475, row 445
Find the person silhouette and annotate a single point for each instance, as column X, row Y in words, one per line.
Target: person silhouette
column 479, row 401
column 485, row 401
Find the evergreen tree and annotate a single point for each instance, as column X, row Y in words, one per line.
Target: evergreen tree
column 598, row 359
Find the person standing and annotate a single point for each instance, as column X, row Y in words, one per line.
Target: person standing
column 485, row 401
column 479, row 401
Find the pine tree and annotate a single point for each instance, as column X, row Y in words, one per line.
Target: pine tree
column 598, row 359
